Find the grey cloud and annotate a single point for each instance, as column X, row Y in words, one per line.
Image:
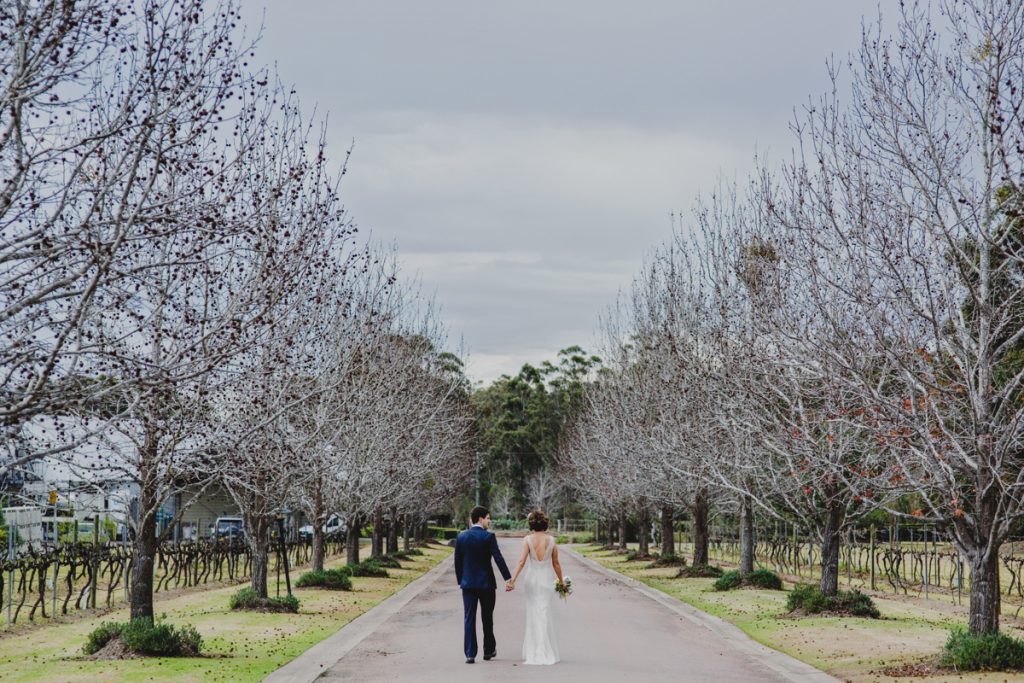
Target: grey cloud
column 524, row 156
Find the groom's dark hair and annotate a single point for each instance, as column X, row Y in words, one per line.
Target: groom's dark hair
column 478, row 513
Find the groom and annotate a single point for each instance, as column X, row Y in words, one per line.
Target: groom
column 474, row 549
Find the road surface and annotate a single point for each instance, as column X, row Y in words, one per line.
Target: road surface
column 608, row 630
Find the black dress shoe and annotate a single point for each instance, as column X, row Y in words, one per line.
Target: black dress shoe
column 469, row 660
column 490, row 655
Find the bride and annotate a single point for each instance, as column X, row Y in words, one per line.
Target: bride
column 541, row 553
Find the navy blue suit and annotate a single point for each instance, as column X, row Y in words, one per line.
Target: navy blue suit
column 474, row 549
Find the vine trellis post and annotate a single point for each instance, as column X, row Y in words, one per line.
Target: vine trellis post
column 872, row 554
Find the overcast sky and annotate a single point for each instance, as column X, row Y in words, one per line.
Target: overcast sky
column 525, row 156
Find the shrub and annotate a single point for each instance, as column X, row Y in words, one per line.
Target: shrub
column 389, row 561
column 987, row 652
column 759, row 578
column 331, row 579
column 857, row 604
column 563, row 539
column 699, row 571
column 369, row 567
column 728, row 581
column 247, row 599
column 810, row 599
column 145, row 637
column 100, row 636
column 413, row 551
column 806, row 597
column 764, row 578
column 669, row 560
column 635, row 556
column 285, row 603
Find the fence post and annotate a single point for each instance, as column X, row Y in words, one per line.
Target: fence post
column 849, row 556
column 56, row 570
column 124, row 549
column 871, row 552
column 284, row 554
column 95, row 560
column 927, row 561
column 959, row 579
column 810, row 557
column 796, row 553
column 11, row 530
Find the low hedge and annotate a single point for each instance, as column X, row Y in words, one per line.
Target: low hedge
column 369, row 567
column 811, row 600
column 332, row 579
column 728, row 581
column 145, row 637
column 759, row 578
column 699, row 571
column 247, row 599
column 987, row 652
column 636, row 556
column 669, row 560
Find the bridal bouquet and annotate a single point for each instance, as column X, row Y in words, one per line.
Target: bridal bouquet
column 564, row 589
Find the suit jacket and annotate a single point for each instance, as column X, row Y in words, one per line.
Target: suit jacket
column 474, row 549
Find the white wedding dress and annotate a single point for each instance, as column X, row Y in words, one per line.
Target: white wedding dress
column 539, row 644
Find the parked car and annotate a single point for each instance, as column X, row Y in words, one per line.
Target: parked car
column 229, row 527
column 335, row 526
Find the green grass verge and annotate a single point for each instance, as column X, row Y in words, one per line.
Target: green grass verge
column 850, row 648
column 238, row 646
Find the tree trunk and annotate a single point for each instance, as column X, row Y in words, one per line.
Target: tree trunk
column 830, row 543
column 145, row 546
column 319, row 548
column 377, row 538
column 317, row 520
column 985, row 597
column 747, row 539
column 406, row 532
column 622, row 531
column 668, row 537
column 393, row 532
column 422, row 532
column 699, row 512
column 259, row 546
column 352, row 541
column 643, row 531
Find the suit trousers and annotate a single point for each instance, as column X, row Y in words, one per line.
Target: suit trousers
column 485, row 597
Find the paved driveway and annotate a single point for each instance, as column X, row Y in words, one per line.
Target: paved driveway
column 608, row 631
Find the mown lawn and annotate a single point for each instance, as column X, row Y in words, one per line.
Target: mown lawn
column 851, row 649
column 238, row 646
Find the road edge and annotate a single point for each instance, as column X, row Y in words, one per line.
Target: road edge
column 312, row 663
column 790, row 668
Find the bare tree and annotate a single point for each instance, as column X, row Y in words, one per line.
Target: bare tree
column 903, row 211
column 97, row 109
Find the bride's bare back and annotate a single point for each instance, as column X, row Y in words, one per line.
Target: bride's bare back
column 540, row 553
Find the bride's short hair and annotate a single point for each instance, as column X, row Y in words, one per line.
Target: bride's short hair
column 538, row 521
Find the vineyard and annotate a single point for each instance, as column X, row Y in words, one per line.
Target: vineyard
column 39, row 584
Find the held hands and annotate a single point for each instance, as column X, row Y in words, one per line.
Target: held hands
column 510, row 585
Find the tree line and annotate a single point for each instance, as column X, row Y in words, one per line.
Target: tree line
column 842, row 332
column 183, row 293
